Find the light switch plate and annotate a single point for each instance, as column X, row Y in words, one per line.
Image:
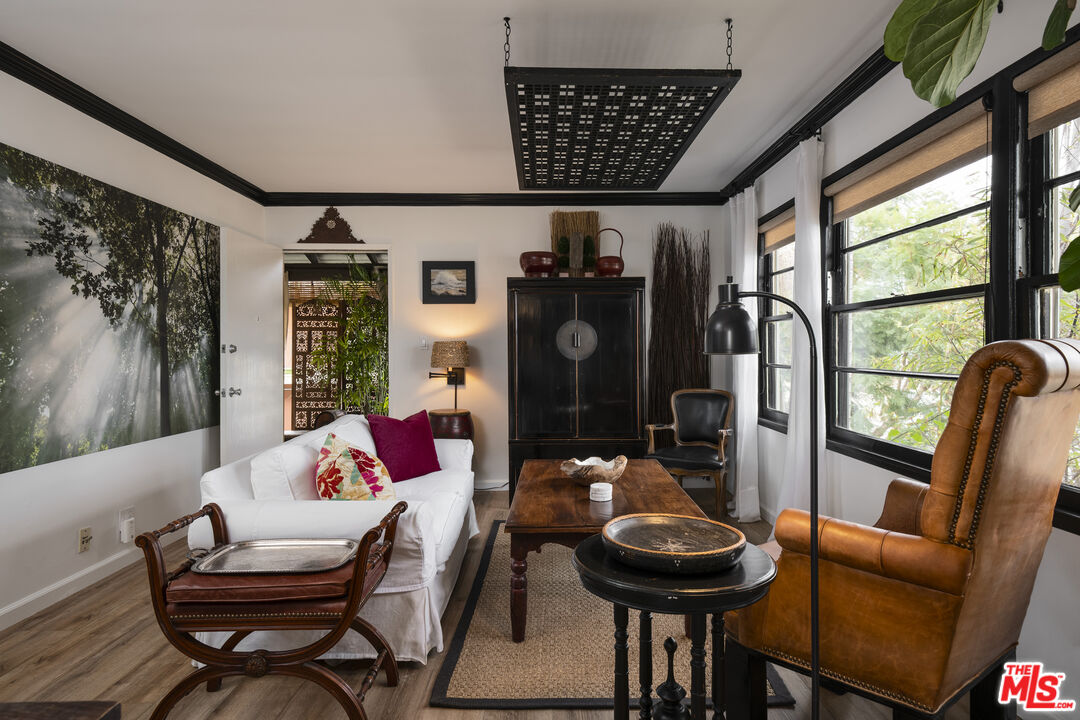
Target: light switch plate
column 85, row 537
column 127, row 525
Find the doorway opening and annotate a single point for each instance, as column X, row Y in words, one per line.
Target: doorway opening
column 336, row 336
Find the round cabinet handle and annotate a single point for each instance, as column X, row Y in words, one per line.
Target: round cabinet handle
column 234, row 391
column 232, row 348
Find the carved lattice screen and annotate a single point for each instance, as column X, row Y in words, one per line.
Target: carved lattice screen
column 314, row 323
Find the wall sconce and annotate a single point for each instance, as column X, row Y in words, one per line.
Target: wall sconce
column 454, row 356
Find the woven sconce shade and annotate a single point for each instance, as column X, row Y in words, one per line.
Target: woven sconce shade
column 449, row 354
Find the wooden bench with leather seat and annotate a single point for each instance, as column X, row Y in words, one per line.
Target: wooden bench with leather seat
column 186, row 602
column 928, row 604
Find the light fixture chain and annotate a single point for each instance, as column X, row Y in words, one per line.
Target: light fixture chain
column 506, row 45
column 729, row 25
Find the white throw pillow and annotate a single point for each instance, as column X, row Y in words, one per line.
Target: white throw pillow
column 356, row 433
column 352, row 429
column 285, row 472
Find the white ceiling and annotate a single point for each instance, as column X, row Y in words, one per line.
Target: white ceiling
column 407, row 95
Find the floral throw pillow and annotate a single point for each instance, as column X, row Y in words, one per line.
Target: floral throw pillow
column 344, row 472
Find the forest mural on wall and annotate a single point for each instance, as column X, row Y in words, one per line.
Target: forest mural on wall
column 108, row 315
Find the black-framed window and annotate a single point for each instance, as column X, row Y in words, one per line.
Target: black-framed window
column 997, row 278
column 909, row 278
column 1053, row 174
column 777, row 276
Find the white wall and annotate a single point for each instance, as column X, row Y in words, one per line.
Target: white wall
column 41, row 508
column 494, row 237
column 854, row 490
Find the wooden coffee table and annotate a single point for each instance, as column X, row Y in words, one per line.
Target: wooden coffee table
column 549, row 507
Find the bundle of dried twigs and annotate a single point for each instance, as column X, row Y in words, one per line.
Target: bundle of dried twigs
column 679, row 298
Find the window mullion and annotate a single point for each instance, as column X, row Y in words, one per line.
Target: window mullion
column 940, row 220
column 1060, row 180
column 925, row 298
column 1001, row 308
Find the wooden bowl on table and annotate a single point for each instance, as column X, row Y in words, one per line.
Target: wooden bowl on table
column 594, row 469
column 666, row 543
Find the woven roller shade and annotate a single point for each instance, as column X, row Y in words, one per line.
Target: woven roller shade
column 779, row 231
column 1053, row 89
column 954, row 142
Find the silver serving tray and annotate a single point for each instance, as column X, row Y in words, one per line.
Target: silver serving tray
column 274, row 557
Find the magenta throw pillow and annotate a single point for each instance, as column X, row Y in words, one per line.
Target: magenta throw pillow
column 406, row 447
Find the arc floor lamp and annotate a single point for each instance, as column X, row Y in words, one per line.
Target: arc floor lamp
column 731, row 331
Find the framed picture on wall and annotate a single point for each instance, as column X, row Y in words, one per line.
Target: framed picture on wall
column 445, row 281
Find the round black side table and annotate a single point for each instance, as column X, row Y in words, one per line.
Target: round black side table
column 694, row 595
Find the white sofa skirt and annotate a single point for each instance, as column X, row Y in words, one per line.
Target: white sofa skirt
column 410, row 621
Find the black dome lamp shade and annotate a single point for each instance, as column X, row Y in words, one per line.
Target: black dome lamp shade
column 730, row 329
column 607, row 129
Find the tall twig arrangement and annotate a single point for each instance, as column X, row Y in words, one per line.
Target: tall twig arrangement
column 679, row 298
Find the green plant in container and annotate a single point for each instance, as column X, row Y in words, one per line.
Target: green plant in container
column 358, row 356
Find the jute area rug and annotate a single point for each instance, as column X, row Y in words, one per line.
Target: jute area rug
column 567, row 659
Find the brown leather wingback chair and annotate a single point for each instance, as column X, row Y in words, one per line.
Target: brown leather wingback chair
column 928, row 603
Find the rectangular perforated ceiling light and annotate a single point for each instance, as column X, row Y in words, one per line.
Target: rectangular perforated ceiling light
column 595, row 129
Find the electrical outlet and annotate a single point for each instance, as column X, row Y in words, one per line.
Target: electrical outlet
column 84, row 539
column 127, row 525
column 423, row 343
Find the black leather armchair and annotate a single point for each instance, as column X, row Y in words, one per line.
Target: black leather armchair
column 702, row 427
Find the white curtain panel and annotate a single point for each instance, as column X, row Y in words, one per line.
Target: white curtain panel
column 744, row 481
column 795, row 490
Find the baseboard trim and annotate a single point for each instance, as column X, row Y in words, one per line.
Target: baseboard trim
column 495, row 484
column 54, row 593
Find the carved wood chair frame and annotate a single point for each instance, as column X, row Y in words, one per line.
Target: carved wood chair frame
column 371, row 556
column 719, row 477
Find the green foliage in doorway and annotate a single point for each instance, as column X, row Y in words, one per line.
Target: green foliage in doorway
column 359, row 352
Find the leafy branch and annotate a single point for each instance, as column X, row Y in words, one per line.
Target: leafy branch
column 938, row 43
column 1069, row 271
column 355, row 359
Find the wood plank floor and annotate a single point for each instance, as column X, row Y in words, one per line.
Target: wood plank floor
column 104, row 644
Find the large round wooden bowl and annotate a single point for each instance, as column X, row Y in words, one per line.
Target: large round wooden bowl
column 673, row 543
column 594, row 469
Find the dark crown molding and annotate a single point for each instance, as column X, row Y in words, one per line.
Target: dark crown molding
column 873, row 69
column 35, row 74
column 301, row 199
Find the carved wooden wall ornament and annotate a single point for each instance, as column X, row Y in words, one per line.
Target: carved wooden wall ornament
column 331, row 228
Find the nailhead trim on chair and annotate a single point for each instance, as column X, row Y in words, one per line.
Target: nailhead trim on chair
column 851, row 681
column 995, row 438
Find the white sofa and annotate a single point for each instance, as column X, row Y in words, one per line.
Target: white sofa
column 432, row 535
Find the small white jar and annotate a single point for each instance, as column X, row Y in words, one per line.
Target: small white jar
column 600, row 492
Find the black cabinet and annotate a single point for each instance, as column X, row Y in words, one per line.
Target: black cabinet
column 577, row 368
